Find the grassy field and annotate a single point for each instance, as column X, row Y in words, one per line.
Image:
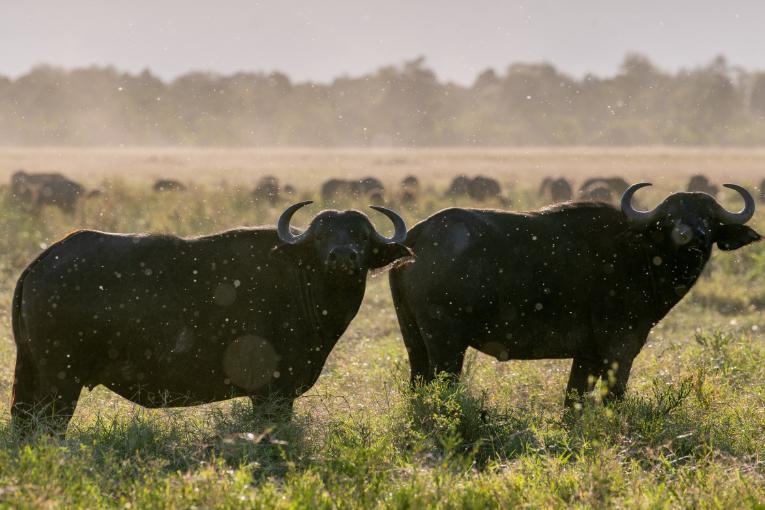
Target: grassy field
column 691, row 432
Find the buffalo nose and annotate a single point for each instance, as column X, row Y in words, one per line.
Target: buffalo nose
column 343, row 256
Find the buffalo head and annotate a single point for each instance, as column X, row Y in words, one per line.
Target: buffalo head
column 343, row 242
column 694, row 221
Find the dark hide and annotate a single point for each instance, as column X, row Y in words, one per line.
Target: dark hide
column 165, row 321
column 576, row 280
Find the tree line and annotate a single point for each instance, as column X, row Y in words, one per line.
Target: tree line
column 403, row 105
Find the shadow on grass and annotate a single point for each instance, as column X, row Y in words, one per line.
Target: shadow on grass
column 442, row 425
column 175, row 440
column 675, row 423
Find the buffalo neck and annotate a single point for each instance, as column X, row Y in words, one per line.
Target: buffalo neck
column 328, row 303
column 672, row 271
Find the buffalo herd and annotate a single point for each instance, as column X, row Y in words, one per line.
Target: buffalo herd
column 33, row 191
column 478, row 188
column 608, row 189
column 169, row 321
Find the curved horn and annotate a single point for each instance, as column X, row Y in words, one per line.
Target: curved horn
column 630, row 212
column 744, row 214
column 283, row 225
column 399, row 233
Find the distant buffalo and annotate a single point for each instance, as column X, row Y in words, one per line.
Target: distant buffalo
column 559, row 189
column 597, row 193
column 479, row 188
column 410, row 189
column 168, row 321
column 267, row 190
column 376, row 197
column 338, row 189
column 460, row 187
column 371, row 184
column 602, row 189
column 410, row 182
column 34, row 191
column 700, row 183
column 162, row 185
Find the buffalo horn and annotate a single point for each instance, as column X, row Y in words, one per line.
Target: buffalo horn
column 283, row 226
column 630, row 212
column 744, row 214
column 399, row 233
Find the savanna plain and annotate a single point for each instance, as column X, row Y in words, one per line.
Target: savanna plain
column 690, row 433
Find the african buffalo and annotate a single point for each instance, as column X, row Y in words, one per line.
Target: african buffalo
column 559, row 189
column 460, row 187
column 166, row 321
column 369, row 185
column 162, row 185
column 410, row 190
column 503, row 283
column 37, row 190
column 597, row 193
column 700, row 183
column 267, row 190
column 597, row 188
column 485, row 188
column 335, row 189
column 410, row 183
column 479, row 188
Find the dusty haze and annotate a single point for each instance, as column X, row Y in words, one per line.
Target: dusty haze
column 393, row 74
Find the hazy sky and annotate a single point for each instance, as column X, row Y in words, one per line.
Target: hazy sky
column 321, row 39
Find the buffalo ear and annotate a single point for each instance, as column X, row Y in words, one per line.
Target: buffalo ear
column 386, row 254
column 732, row 237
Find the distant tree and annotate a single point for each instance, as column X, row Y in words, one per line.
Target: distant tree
column 757, row 99
column 405, row 105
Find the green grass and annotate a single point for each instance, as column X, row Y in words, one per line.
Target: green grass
column 691, row 432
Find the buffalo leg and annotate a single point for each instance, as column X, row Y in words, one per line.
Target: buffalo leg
column 42, row 399
column 61, row 395
column 410, row 331
column 584, row 373
column 418, row 358
column 52, row 405
column 446, row 349
column 621, row 374
column 23, row 399
column 449, row 362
